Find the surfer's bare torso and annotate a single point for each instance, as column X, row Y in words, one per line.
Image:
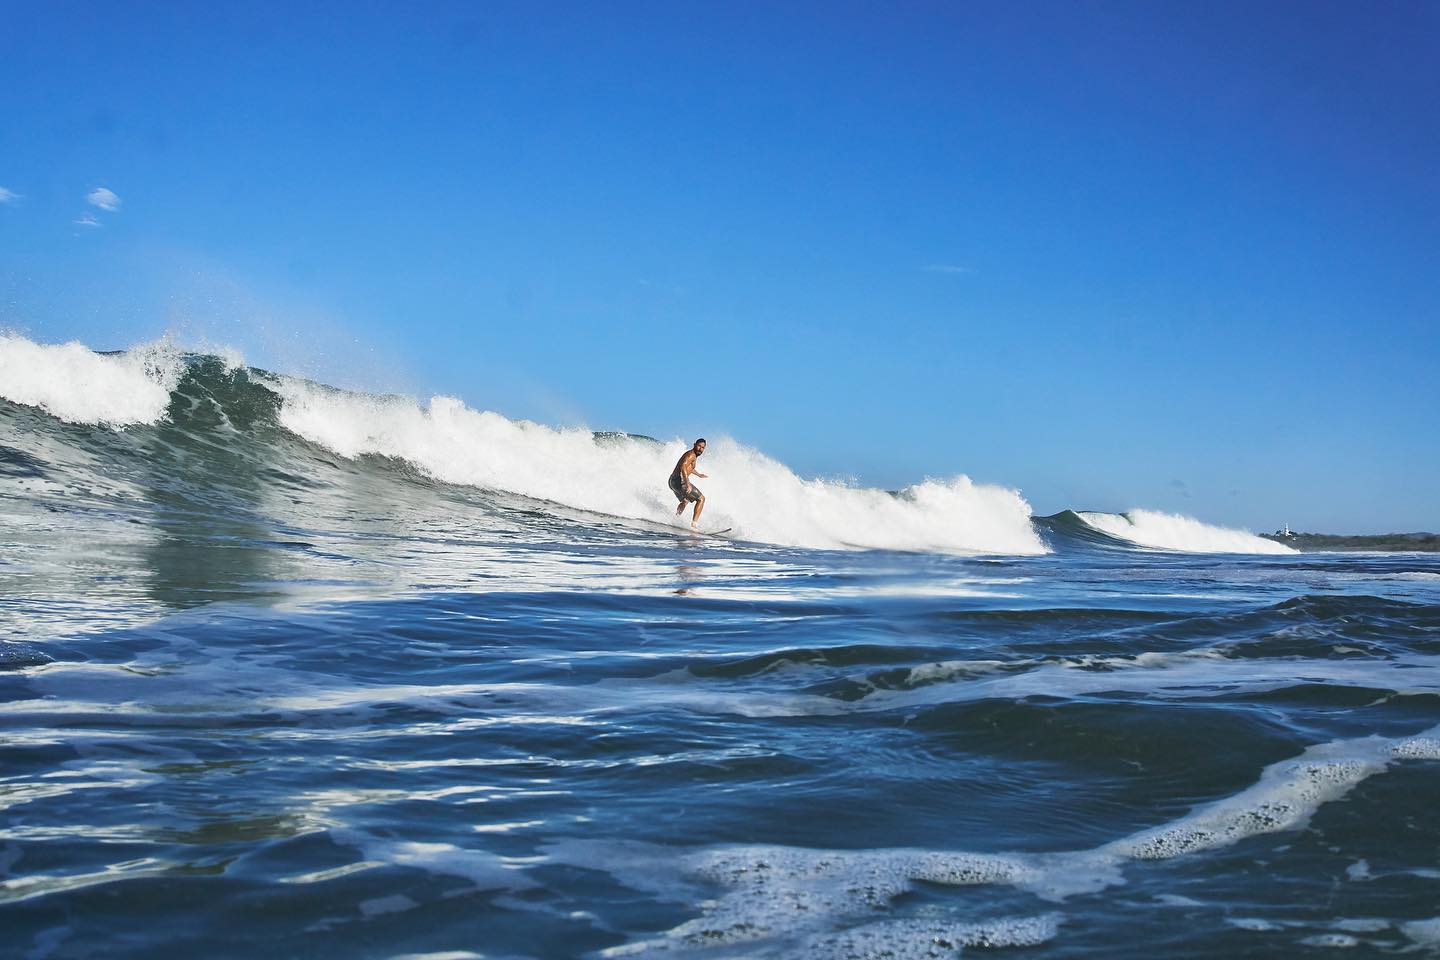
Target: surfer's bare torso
column 686, row 465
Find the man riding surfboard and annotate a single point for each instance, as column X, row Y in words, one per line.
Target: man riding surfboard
column 680, row 485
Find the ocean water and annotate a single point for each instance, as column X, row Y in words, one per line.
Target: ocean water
column 294, row 671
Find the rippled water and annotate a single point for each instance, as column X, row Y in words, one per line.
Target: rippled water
column 314, row 707
column 672, row 745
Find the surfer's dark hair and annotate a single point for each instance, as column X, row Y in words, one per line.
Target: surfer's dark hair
column 698, row 442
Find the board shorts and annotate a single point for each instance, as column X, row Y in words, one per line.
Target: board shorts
column 683, row 490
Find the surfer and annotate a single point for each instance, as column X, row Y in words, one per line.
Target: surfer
column 681, row 486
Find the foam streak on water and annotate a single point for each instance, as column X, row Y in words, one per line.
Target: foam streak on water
column 287, row 670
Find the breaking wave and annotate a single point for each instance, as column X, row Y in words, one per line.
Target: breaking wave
column 612, row 474
column 1155, row 530
column 75, row 384
column 624, row 476
column 615, row 475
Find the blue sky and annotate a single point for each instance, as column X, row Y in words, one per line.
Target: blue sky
column 1114, row 254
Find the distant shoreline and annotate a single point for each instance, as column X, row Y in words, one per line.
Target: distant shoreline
column 1392, row 542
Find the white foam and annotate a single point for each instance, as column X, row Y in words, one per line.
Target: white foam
column 1171, row 531
column 807, row 903
column 762, row 498
column 1285, row 797
column 835, row 902
column 72, row 382
column 926, row 939
column 1418, row 748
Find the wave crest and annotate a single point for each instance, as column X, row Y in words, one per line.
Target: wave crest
column 75, row 384
column 624, row 476
column 1172, row 531
column 617, row 475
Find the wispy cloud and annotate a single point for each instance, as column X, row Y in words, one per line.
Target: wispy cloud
column 104, row 198
column 87, row 221
column 8, row 196
column 947, row 268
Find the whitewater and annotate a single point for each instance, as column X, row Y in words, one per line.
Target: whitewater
column 294, row 670
column 755, row 495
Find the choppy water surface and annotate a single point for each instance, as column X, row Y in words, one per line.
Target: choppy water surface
column 260, row 698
